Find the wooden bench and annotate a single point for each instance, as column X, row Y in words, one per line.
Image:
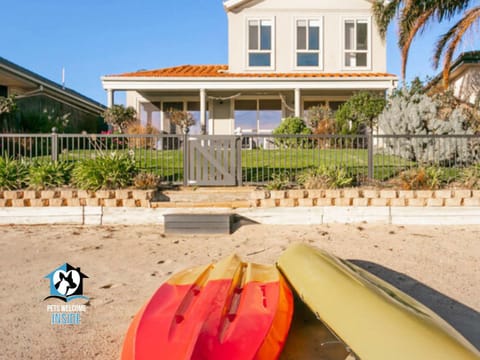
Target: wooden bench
column 198, row 223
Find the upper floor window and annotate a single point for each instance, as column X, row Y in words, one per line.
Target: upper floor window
column 308, row 43
column 260, row 41
column 356, row 43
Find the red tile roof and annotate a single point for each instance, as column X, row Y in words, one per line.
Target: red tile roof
column 221, row 71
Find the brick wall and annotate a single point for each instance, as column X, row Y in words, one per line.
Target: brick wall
column 253, row 199
column 365, row 197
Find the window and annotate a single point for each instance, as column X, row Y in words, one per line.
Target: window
column 257, row 115
column 3, row 91
column 260, row 40
column 308, row 43
column 356, row 46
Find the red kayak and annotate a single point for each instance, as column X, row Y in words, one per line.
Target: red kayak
column 229, row 310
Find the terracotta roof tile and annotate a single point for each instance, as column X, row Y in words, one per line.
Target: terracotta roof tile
column 221, row 71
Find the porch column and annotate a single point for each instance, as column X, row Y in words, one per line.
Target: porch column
column 203, row 111
column 110, row 98
column 297, row 102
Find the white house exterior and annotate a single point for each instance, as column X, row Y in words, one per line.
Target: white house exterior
column 284, row 57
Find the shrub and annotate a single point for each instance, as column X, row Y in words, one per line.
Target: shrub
column 141, row 142
column 49, row 174
column 13, row 174
column 325, row 177
column 415, row 113
column 292, row 126
column 106, row 171
column 321, row 120
column 279, row 181
column 470, row 177
column 423, row 178
column 146, row 181
column 359, row 113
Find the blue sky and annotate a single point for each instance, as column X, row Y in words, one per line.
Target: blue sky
column 92, row 38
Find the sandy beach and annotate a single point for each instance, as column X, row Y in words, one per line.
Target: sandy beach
column 437, row 265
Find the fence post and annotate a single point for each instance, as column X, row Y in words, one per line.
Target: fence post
column 370, row 153
column 54, row 140
column 186, row 159
column 238, row 155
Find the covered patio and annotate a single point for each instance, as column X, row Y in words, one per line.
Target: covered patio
column 226, row 103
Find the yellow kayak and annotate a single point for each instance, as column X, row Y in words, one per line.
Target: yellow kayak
column 371, row 317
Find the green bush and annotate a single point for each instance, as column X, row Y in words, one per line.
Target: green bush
column 359, row 113
column 105, row 172
column 470, row 177
column 13, row 173
column 279, row 181
column 325, row 177
column 292, row 126
column 49, row 174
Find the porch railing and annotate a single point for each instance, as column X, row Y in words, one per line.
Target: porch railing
column 262, row 157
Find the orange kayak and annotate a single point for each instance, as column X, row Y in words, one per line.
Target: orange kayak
column 229, row 310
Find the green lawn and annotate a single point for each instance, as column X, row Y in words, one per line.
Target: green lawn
column 259, row 165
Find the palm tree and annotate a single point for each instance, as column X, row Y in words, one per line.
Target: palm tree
column 415, row 15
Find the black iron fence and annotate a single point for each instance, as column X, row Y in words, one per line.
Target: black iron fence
column 260, row 157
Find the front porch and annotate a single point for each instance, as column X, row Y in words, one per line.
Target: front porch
column 227, row 113
column 225, row 103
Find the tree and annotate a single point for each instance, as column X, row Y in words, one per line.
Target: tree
column 7, row 105
column 120, row 117
column 414, row 16
column 183, row 119
column 359, row 112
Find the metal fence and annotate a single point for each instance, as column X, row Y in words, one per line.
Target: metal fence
column 261, row 157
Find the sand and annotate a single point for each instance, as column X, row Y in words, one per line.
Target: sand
column 439, row 266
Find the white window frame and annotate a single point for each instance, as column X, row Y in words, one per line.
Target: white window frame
column 319, row 51
column 368, row 20
column 247, row 48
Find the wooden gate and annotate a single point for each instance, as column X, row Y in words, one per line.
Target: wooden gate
column 213, row 160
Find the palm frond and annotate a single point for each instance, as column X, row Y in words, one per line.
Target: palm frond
column 384, row 13
column 406, row 42
column 449, row 42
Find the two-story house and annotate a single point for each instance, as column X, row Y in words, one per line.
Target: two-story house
column 283, row 57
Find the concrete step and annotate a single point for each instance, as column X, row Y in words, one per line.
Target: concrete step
column 205, row 195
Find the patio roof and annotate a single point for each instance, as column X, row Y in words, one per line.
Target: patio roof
column 221, row 71
column 217, row 77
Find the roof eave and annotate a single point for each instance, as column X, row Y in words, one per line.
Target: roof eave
column 243, row 78
column 229, row 5
column 53, row 87
column 235, row 84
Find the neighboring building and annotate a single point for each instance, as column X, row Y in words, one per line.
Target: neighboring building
column 464, row 77
column 284, row 57
column 38, row 97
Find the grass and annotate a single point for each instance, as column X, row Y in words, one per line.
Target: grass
column 259, row 165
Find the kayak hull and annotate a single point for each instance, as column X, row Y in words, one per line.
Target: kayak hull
column 228, row 310
column 373, row 318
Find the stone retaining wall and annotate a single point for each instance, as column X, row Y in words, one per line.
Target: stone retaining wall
column 365, row 198
column 252, row 199
column 56, row 198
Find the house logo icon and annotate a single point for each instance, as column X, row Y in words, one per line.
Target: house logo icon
column 66, row 283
